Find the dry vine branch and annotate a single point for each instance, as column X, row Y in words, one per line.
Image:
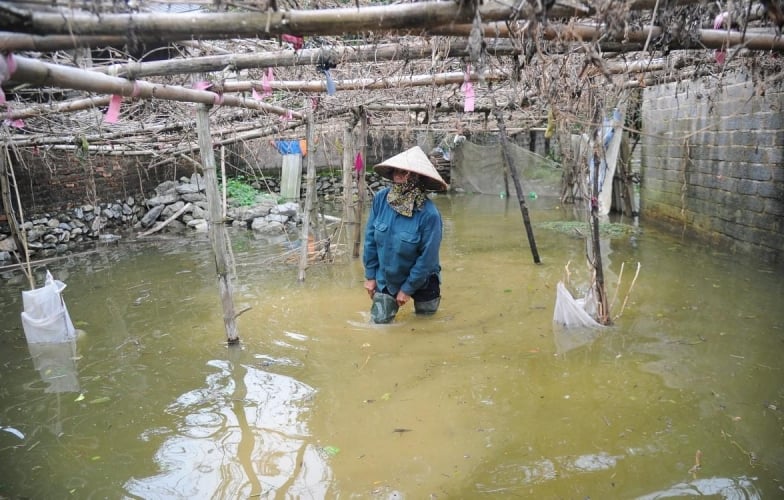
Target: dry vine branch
column 628, row 292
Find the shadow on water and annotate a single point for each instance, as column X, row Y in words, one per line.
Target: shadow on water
column 681, row 397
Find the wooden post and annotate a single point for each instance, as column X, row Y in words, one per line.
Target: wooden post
column 217, row 228
column 223, row 181
column 348, row 180
column 361, row 186
column 516, row 178
column 603, row 313
column 310, row 190
column 20, row 239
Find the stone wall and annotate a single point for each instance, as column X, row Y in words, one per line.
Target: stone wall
column 712, row 163
column 181, row 205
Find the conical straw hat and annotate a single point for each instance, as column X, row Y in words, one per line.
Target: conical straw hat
column 414, row 160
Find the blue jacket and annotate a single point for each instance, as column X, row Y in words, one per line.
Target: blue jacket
column 401, row 252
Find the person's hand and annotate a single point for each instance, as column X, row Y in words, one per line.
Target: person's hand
column 402, row 298
column 370, row 286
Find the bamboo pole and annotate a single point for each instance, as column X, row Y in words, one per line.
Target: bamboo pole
column 224, row 197
column 310, row 192
column 237, row 24
column 633, row 39
column 63, row 107
column 15, row 42
column 348, row 178
column 42, row 74
column 57, row 32
column 20, row 239
column 341, row 54
column 217, row 228
column 242, row 24
column 499, row 117
column 444, row 108
column 603, row 313
column 317, row 86
column 438, row 79
column 361, row 185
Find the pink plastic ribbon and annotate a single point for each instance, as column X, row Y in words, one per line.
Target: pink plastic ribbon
column 468, row 91
column 718, row 21
column 7, row 68
column 255, row 94
column 113, row 113
column 266, row 82
column 18, row 123
column 359, row 165
column 10, row 62
column 296, row 41
column 202, row 85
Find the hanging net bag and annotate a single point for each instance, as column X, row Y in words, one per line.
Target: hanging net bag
column 574, row 313
column 45, row 318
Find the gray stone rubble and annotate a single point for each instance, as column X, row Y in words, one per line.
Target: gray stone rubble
column 54, row 233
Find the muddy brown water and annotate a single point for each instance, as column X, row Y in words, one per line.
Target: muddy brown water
column 484, row 399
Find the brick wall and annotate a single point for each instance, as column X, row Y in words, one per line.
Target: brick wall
column 712, row 163
column 51, row 181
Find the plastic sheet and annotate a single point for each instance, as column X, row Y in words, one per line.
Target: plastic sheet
column 570, row 312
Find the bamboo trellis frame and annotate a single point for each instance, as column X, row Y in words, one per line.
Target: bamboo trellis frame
column 505, row 28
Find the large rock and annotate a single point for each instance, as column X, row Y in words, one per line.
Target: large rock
column 248, row 214
column 288, row 209
column 261, row 225
column 172, row 209
column 187, row 188
column 165, row 187
column 164, row 199
column 198, row 225
column 151, row 216
column 7, row 245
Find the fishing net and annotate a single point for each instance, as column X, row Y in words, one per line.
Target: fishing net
column 570, row 312
column 573, row 323
column 45, row 318
column 480, row 169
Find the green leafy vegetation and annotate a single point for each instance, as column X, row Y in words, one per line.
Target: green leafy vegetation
column 240, row 192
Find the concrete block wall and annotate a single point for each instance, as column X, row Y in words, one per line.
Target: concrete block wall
column 712, row 163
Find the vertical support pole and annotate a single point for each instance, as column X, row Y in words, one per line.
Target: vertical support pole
column 223, row 181
column 6, row 172
column 348, row 180
column 217, row 228
column 361, row 185
column 516, row 178
column 310, row 190
column 603, row 314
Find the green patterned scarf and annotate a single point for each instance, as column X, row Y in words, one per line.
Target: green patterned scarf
column 407, row 197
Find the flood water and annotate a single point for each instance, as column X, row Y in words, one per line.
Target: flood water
column 483, row 399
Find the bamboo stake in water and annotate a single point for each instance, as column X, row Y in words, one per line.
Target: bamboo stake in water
column 217, row 228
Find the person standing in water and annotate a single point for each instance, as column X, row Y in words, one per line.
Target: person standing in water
column 403, row 238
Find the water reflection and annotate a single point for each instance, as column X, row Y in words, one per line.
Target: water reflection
column 56, row 364
column 243, row 434
column 483, row 397
column 722, row 487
